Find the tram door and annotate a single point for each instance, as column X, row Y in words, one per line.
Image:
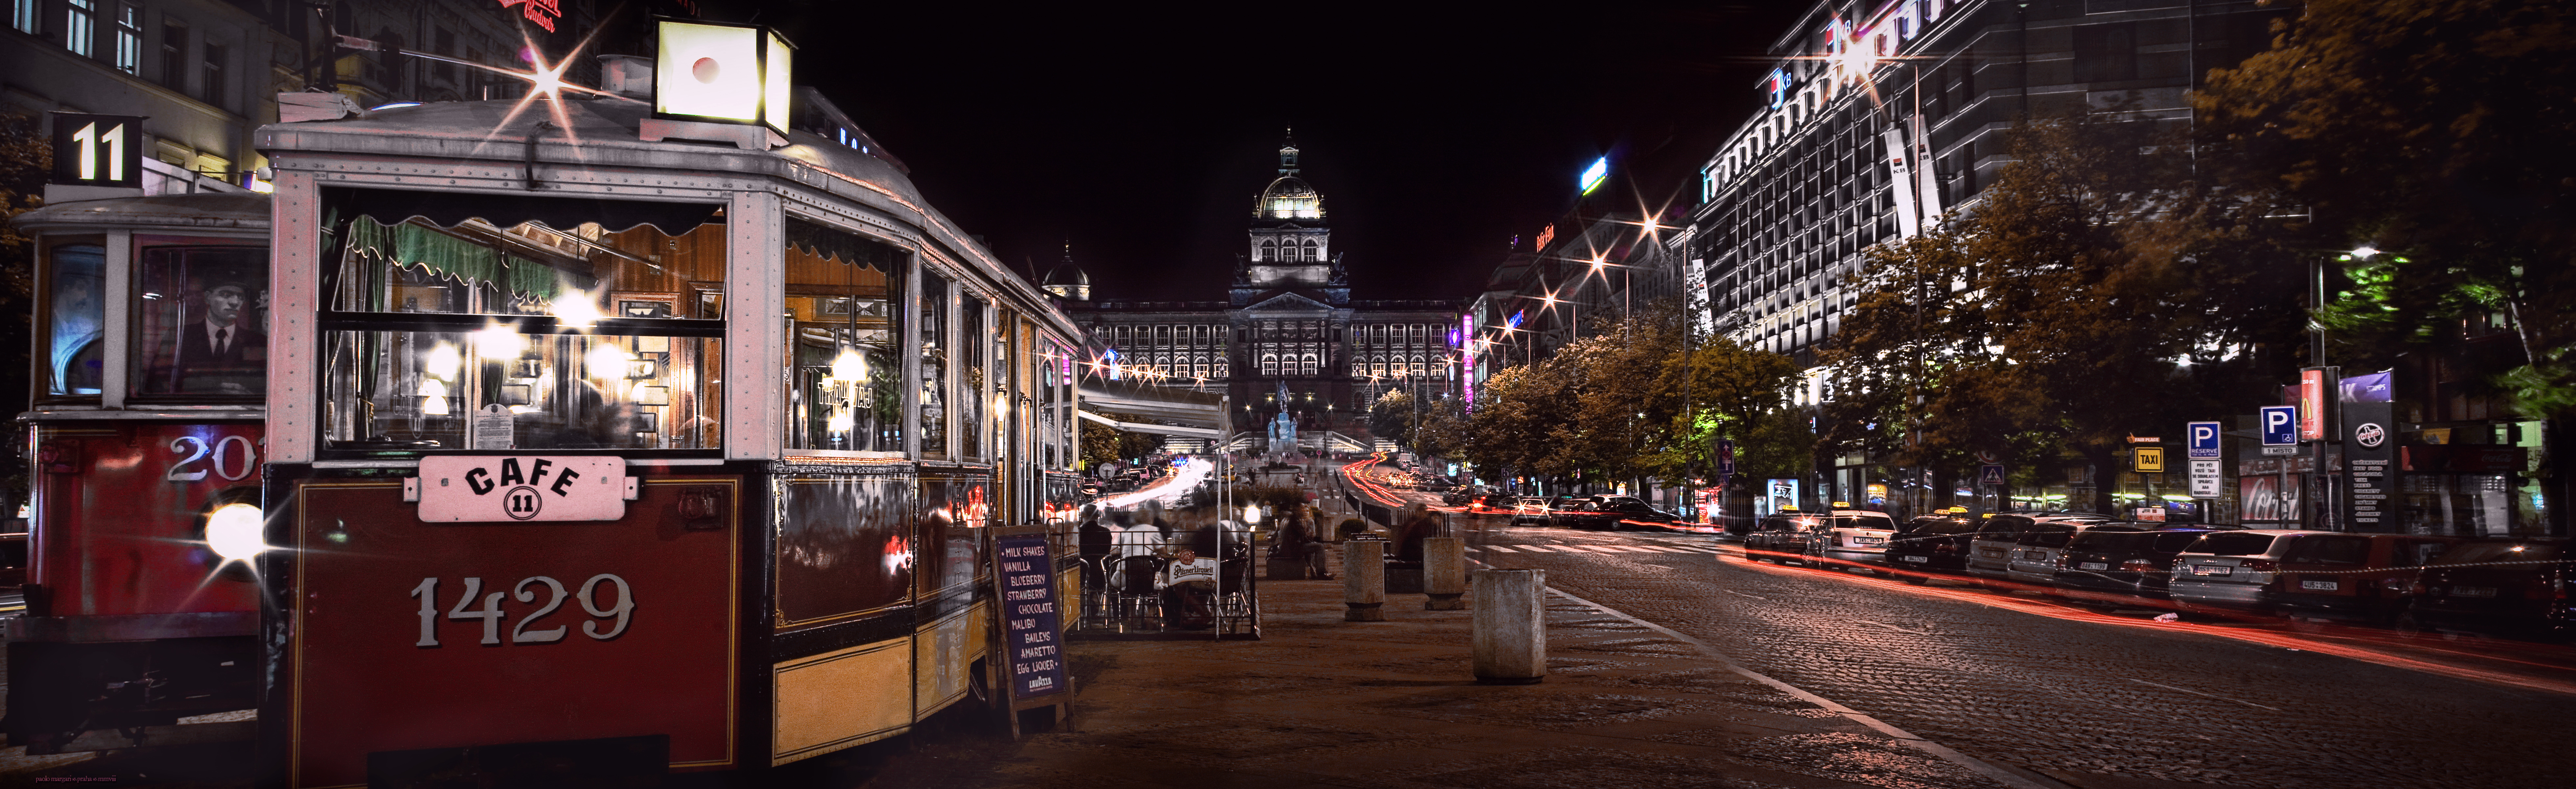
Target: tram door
column 149, row 368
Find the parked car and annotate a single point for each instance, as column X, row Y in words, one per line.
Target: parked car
column 2497, row 586
column 2126, row 558
column 1998, row 537
column 1780, row 538
column 1800, row 536
column 1530, row 511
column 2033, row 559
column 2312, row 573
column 1931, row 544
column 1856, row 536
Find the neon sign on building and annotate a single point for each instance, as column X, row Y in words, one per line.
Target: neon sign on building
column 542, row 12
column 1846, row 54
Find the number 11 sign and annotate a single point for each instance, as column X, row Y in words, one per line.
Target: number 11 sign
column 98, row 150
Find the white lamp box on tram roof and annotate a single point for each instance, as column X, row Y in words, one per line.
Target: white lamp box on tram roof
column 716, row 82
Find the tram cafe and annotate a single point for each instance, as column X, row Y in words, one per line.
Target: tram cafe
column 578, row 436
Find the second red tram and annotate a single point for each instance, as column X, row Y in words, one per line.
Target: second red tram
column 148, row 446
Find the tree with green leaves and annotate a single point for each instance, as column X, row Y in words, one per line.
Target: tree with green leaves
column 1391, row 416
column 1104, row 444
column 2424, row 129
column 2096, row 290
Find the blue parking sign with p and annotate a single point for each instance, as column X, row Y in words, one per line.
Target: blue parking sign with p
column 2280, row 425
column 2203, row 441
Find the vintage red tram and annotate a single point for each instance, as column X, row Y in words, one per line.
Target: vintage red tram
column 640, row 453
column 147, row 437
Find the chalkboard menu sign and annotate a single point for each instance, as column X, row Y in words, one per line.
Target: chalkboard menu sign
column 1032, row 631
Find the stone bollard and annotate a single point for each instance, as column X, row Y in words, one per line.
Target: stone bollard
column 1364, row 580
column 1511, row 626
column 1444, row 573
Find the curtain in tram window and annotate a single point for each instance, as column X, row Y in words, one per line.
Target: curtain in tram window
column 446, row 255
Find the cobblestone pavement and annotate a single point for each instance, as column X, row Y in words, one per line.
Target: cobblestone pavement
column 2084, row 697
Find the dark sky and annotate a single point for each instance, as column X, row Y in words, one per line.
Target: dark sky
column 1143, row 137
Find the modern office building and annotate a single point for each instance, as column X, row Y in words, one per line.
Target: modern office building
column 1879, row 119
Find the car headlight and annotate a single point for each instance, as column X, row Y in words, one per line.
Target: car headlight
column 234, row 531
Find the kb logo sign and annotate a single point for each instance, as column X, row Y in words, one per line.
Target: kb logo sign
column 489, row 488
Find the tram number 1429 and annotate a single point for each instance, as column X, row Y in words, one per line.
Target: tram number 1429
column 491, row 614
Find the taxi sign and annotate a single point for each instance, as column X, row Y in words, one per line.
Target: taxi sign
column 2150, row 460
column 507, row 488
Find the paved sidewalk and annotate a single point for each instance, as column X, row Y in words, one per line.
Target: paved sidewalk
column 1320, row 702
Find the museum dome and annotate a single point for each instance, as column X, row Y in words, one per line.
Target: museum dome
column 1290, row 197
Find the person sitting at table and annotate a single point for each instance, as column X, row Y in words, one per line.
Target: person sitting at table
column 1188, row 583
column 1134, row 540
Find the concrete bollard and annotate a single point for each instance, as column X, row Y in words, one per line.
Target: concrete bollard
column 1364, row 580
column 1444, row 573
column 1511, row 626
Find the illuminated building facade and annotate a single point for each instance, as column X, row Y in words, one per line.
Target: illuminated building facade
column 1288, row 321
column 1881, row 118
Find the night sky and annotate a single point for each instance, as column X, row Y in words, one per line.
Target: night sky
column 1143, row 137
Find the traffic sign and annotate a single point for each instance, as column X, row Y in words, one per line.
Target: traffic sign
column 2203, row 440
column 1990, row 474
column 2280, row 426
column 2288, row 450
column 2205, row 487
column 2147, row 460
column 1725, row 457
column 2203, row 468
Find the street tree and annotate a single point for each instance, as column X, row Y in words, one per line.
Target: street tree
column 2420, row 128
column 1391, row 416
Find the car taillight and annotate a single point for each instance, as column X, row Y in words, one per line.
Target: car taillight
column 2138, row 566
column 1944, row 548
column 2261, row 565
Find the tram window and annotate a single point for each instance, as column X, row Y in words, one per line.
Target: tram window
column 76, row 318
column 973, row 379
column 933, row 317
column 498, row 333
column 201, row 322
column 431, row 390
column 846, row 373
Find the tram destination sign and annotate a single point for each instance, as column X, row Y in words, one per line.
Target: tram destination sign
column 507, row 488
column 1032, row 632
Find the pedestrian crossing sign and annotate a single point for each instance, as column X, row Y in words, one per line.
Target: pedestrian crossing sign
column 1990, row 474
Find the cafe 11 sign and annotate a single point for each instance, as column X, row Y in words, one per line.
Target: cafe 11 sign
column 500, row 488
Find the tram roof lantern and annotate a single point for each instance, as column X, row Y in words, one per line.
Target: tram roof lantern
column 717, row 74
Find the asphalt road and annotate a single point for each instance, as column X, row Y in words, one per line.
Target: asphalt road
column 2017, row 680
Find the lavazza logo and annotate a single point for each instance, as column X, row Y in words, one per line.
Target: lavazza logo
column 2370, row 435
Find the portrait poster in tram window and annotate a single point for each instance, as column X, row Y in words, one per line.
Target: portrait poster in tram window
column 1032, row 630
column 202, row 321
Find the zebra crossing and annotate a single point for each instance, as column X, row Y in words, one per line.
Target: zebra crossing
column 1615, row 548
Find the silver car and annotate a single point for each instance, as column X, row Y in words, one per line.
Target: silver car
column 1855, row 536
column 2229, row 569
column 1998, row 541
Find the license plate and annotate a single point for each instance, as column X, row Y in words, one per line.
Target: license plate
column 2036, row 556
column 1916, row 559
column 2212, row 569
column 1991, row 554
column 2092, row 566
column 2473, row 591
column 2322, row 586
column 1869, row 540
